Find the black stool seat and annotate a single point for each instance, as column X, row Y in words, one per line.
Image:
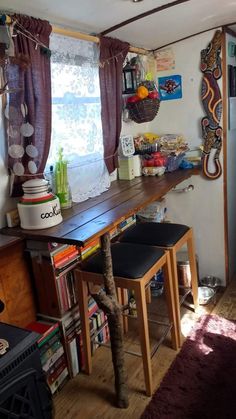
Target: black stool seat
column 129, row 260
column 155, row 234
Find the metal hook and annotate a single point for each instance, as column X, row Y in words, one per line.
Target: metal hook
column 188, row 188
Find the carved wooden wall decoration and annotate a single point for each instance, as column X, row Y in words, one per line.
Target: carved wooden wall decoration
column 212, row 104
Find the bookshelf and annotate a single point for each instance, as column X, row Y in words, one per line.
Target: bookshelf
column 57, row 300
column 52, row 354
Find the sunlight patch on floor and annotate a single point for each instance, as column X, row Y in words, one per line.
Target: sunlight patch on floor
column 189, row 319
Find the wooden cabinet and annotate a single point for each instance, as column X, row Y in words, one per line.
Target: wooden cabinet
column 15, row 284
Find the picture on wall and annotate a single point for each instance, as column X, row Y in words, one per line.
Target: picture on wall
column 165, row 60
column 170, row 87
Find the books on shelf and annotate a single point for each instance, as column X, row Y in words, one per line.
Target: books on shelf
column 51, row 357
column 70, row 327
column 52, row 354
column 67, row 296
column 128, row 222
column 123, row 225
column 69, row 264
column 58, row 381
column 89, row 249
column 71, row 331
column 63, row 251
column 92, row 306
column 60, row 255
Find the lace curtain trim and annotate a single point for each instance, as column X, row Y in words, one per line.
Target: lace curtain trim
column 76, row 115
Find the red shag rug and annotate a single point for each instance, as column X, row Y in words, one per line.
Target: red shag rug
column 201, row 382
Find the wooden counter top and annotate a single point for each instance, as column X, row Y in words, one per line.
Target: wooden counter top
column 94, row 217
column 6, row 241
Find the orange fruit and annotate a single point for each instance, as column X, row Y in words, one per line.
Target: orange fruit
column 142, row 92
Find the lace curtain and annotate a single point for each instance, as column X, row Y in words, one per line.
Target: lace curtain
column 76, row 115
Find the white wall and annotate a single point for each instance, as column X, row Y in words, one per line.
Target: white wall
column 203, row 208
column 231, row 177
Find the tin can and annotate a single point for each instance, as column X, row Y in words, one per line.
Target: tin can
column 183, row 269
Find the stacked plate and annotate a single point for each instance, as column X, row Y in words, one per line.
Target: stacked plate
column 38, row 207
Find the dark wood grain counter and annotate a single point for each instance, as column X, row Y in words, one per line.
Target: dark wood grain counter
column 90, row 219
column 6, row 241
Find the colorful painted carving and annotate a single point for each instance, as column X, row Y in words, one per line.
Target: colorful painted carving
column 212, row 104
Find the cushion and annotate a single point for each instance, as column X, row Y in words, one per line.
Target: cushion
column 129, row 260
column 155, row 234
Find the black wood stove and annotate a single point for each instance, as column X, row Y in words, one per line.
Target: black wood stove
column 23, row 390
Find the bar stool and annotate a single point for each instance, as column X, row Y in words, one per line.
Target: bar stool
column 171, row 237
column 133, row 267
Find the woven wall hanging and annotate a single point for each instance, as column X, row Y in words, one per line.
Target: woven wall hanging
column 212, row 104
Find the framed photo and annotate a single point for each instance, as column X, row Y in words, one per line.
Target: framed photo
column 170, row 87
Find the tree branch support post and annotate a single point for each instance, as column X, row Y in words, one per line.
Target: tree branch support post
column 107, row 301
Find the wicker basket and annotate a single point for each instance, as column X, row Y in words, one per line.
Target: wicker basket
column 144, row 110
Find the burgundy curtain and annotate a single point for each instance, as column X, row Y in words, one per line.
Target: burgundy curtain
column 112, row 55
column 32, row 84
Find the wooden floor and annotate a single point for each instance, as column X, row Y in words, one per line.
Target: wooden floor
column 86, row 397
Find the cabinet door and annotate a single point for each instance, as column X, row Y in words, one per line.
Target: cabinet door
column 15, row 287
column 4, row 317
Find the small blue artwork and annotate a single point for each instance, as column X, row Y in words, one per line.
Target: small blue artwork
column 170, row 87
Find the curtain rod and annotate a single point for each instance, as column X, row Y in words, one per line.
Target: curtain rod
column 91, row 38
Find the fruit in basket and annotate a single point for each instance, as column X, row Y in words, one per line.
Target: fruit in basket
column 153, row 95
column 156, row 155
column 142, row 92
column 133, row 99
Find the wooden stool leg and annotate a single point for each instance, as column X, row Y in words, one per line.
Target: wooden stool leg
column 148, row 295
column 171, row 297
column 173, row 262
column 122, row 298
column 140, row 298
column 193, row 268
column 83, row 308
column 124, row 302
column 118, row 293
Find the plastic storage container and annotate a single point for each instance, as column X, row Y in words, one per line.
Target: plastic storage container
column 157, row 284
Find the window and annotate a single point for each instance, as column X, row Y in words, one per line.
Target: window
column 76, row 115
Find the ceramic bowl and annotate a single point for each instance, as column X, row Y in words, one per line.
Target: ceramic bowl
column 210, row 281
column 205, row 294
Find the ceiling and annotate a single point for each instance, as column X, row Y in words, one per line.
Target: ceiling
column 153, row 31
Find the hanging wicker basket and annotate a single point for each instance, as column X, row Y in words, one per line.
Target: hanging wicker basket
column 144, row 110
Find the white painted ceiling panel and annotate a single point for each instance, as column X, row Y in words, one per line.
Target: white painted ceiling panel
column 91, row 16
column 151, row 32
column 177, row 22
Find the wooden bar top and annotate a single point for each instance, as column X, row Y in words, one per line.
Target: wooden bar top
column 90, row 219
column 6, row 241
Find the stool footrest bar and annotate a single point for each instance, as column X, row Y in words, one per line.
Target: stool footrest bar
column 106, row 345
column 156, row 346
